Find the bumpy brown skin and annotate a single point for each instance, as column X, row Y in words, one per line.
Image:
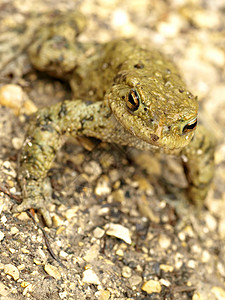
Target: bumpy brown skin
column 132, row 96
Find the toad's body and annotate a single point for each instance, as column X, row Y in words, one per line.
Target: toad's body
column 131, row 95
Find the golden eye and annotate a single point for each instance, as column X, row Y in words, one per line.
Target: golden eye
column 190, row 126
column 132, row 100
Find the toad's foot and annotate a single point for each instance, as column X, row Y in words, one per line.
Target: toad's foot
column 36, row 195
column 198, row 161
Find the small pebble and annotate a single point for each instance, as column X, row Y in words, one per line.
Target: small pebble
column 121, row 22
column 25, row 250
column 13, row 96
column 171, row 27
column 178, row 258
column 126, row 272
column 205, row 256
column 52, row 271
column 24, row 284
column 120, row 252
column 104, row 295
column 98, row 232
column 92, row 253
column 93, row 168
column 8, row 169
column 23, row 216
column 166, row 268
column 192, row 264
column 211, row 222
column 197, row 296
column 119, row 232
column 151, row 286
column 71, row 213
column 181, row 236
column 11, row 270
column 57, row 221
column 120, row 18
column 60, row 230
column 28, row 289
column 37, row 262
column 17, row 143
column 135, row 280
column 164, row 241
column 63, row 254
column 1, row 235
column 118, row 196
column 89, row 276
column 21, row 267
column 165, row 282
column 219, row 292
column 3, row 219
column 205, row 19
column 14, row 230
column 102, row 187
column 88, row 144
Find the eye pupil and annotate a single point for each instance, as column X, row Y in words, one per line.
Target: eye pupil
column 132, row 100
column 190, row 126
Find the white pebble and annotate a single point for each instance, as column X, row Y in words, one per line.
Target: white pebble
column 103, row 188
column 11, row 270
column 218, row 292
column 135, row 280
column 1, row 235
column 17, row 143
column 3, row 219
column 119, row 232
column 98, row 232
column 211, row 222
column 92, row 253
column 52, row 271
column 89, row 276
column 164, row 241
column 14, row 230
column 192, row 264
column 165, row 282
column 126, row 272
column 13, row 96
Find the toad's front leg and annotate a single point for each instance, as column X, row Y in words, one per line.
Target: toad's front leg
column 198, row 161
column 45, row 137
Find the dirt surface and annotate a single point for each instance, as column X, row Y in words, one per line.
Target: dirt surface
column 123, row 228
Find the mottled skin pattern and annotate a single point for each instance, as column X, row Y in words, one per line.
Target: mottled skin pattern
column 131, row 95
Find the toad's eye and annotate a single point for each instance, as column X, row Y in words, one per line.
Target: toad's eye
column 190, row 126
column 133, row 100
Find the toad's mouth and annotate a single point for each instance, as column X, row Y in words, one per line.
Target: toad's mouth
column 171, row 137
column 175, row 136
